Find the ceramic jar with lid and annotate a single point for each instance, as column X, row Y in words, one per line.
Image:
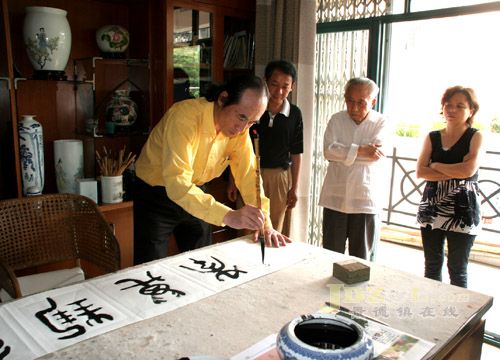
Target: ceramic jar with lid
column 121, row 109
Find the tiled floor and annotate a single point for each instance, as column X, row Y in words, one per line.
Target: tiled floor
column 482, row 278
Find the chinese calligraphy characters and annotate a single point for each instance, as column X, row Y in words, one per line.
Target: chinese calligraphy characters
column 4, row 351
column 58, row 320
column 148, row 287
column 217, row 267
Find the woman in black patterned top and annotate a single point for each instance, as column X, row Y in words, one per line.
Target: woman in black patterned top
column 450, row 206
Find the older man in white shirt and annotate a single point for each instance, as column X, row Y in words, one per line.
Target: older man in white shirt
column 351, row 190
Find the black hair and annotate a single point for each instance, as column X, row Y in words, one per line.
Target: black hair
column 235, row 88
column 286, row 67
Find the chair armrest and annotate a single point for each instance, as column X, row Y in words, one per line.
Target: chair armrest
column 8, row 280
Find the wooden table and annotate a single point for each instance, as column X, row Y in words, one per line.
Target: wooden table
column 231, row 321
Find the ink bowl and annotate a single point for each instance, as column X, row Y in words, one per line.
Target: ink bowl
column 323, row 337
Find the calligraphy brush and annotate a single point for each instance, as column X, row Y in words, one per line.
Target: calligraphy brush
column 257, row 188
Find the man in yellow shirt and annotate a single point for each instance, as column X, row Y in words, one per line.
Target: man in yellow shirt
column 192, row 144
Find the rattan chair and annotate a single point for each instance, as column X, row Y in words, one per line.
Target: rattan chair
column 47, row 232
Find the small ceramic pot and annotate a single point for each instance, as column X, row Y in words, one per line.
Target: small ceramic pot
column 112, row 189
column 112, row 39
column 121, row 109
column 324, row 337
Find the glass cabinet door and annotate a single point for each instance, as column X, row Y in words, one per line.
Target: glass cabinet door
column 239, row 44
column 192, row 53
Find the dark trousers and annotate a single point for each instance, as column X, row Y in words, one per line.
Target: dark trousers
column 156, row 217
column 362, row 230
column 459, row 245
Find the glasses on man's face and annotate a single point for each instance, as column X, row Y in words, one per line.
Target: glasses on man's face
column 361, row 104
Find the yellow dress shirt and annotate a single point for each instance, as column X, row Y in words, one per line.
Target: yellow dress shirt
column 184, row 151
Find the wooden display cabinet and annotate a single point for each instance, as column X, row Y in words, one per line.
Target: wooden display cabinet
column 98, row 78
column 64, row 107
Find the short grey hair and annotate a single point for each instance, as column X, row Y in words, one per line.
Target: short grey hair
column 364, row 81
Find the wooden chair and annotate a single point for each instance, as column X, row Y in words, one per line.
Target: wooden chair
column 51, row 232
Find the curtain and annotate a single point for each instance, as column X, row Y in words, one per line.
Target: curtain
column 286, row 29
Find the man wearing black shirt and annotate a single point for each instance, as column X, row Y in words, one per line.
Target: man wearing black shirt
column 280, row 132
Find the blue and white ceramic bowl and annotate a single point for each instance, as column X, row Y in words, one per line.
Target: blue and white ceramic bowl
column 324, row 337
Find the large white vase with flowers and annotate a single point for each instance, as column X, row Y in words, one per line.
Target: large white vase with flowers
column 47, row 37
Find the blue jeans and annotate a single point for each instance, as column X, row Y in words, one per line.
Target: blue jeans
column 459, row 245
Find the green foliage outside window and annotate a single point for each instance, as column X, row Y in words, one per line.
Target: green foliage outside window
column 495, row 125
column 408, row 130
column 404, row 129
column 188, row 59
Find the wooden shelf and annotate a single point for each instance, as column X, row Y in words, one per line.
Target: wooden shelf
column 111, row 207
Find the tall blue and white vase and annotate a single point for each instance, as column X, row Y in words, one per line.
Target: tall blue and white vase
column 68, row 160
column 30, row 134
